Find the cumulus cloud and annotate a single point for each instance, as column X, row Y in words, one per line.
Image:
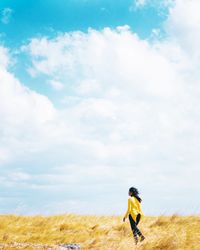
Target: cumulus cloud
column 183, row 25
column 130, row 98
column 110, row 55
column 57, row 85
column 4, row 58
column 139, row 4
column 129, row 116
column 23, row 112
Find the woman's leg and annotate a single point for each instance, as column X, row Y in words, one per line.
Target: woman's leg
column 135, row 229
column 138, row 219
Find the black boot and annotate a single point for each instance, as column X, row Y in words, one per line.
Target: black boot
column 136, row 239
column 142, row 238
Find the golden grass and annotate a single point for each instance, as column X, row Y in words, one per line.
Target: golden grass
column 102, row 232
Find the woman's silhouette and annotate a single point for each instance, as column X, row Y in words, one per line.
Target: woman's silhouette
column 135, row 213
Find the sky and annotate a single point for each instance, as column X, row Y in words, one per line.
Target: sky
column 97, row 96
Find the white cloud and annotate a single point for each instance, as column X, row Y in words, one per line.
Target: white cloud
column 19, row 177
column 80, row 57
column 183, row 25
column 89, row 86
column 129, row 102
column 4, row 155
column 57, row 85
column 140, row 2
column 130, row 116
column 161, row 4
column 137, row 4
column 6, row 15
column 23, row 112
column 4, row 58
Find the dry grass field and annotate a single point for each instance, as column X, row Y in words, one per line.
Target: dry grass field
column 99, row 232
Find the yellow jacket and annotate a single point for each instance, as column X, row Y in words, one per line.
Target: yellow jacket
column 134, row 208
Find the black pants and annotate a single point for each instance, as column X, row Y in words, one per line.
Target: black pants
column 134, row 224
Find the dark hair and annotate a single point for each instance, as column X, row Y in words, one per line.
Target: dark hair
column 134, row 192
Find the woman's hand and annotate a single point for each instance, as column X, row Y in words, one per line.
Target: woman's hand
column 124, row 219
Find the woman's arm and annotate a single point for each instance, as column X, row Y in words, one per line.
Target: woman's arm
column 128, row 210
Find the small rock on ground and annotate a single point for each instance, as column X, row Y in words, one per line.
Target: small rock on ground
column 16, row 245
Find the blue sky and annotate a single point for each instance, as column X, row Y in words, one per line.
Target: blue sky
column 28, row 19
column 95, row 97
column 44, row 17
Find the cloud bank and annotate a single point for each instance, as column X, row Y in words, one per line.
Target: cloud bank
column 128, row 115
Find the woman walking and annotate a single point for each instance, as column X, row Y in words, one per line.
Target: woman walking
column 134, row 212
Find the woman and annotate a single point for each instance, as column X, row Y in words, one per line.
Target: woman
column 134, row 212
